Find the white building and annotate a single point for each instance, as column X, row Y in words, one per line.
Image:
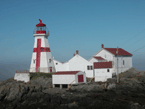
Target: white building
column 42, row 60
column 77, row 63
column 68, row 77
column 97, row 59
column 109, row 54
column 22, row 77
column 103, row 71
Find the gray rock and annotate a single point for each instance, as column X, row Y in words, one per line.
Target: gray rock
column 87, row 88
column 14, row 93
column 130, row 73
column 111, row 86
column 44, row 82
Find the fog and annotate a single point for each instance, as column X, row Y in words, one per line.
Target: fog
column 8, row 69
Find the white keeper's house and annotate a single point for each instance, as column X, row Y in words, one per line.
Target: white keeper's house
column 110, row 54
column 77, row 63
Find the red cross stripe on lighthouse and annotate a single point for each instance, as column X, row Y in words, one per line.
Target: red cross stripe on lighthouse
column 38, row 51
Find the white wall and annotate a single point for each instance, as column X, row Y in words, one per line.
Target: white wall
column 63, row 79
column 59, row 66
column 78, row 63
column 102, row 74
column 67, row 79
column 22, row 77
column 127, row 63
column 105, row 54
column 33, row 65
column 92, row 60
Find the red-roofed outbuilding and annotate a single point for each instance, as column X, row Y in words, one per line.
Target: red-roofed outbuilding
column 68, row 78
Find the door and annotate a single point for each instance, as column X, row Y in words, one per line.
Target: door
column 50, row 69
column 80, row 78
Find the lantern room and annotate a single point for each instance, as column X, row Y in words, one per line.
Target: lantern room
column 40, row 28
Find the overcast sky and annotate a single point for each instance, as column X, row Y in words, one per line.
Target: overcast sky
column 73, row 25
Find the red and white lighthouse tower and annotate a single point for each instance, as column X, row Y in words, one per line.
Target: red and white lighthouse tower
column 42, row 60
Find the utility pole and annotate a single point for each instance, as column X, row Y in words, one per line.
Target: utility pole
column 117, row 66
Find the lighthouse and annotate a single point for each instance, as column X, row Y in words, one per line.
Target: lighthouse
column 42, row 60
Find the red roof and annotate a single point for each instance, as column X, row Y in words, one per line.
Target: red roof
column 99, row 57
column 40, row 24
column 121, row 52
column 66, row 73
column 102, row 65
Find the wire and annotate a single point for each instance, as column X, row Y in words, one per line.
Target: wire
column 135, row 42
column 138, row 49
column 133, row 37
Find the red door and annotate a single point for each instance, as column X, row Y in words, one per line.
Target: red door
column 80, row 78
column 50, row 69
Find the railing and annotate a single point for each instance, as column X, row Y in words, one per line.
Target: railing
column 22, row 71
column 69, row 85
column 47, row 32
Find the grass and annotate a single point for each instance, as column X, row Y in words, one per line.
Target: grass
column 38, row 74
column 88, row 79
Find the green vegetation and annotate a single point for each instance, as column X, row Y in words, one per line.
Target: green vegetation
column 38, row 74
column 90, row 79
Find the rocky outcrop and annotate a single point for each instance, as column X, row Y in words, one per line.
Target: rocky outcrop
column 39, row 94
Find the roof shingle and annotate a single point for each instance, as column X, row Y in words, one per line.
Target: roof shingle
column 121, row 52
column 99, row 58
column 66, row 73
column 102, row 65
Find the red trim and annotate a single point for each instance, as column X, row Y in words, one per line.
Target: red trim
column 38, row 50
column 40, row 32
column 66, row 73
column 43, row 49
column 40, row 24
column 50, row 69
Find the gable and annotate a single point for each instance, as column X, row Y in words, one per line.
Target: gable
column 79, row 59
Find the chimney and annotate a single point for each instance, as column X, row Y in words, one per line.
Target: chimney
column 77, row 52
column 74, row 54
column 102, row 46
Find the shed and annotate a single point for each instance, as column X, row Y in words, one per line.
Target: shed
column 68, row 77
column 103, row 71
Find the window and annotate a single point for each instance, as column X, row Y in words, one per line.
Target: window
column 123, row 62
column 56, row 63
column 89, row 67
column 49, row 60
column 108, row 70
column 34, row 61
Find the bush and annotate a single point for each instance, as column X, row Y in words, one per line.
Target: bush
column 38, row 74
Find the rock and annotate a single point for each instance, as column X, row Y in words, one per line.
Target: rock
column 87, row 88
column 130, row 73
column 46, row 83
column 112, row 80
column 141, row 78
column 111, row 86
column 14, row 93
